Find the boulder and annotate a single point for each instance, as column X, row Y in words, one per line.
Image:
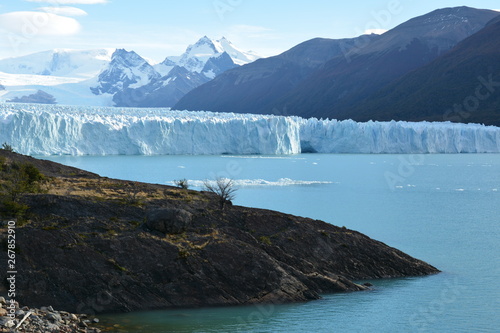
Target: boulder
column 168, row 220
column 54, row 317
column 9, row 324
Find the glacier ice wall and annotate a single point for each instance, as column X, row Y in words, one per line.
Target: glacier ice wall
column 347, row 136
column 55, row 130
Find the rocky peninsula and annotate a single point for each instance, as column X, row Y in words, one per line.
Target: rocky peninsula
column 89, row 244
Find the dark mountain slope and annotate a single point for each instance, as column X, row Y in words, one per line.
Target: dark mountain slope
column 255, row 87
column 452, row 88
column 335, row 89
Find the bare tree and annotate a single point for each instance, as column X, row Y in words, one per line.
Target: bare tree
column 131, row 193
column 7, row 147
column 182, row 183
column 224, row 189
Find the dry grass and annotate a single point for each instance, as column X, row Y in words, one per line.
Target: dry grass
column 128, row 192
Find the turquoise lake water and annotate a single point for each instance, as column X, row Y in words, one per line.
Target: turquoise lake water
column 443, row 209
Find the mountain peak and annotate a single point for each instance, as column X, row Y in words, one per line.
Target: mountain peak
column 204, row 39
column 123, row 53
column 129, row 58
column 458, row 9
column 442, row 28
column 197, row 55
column 126, row 69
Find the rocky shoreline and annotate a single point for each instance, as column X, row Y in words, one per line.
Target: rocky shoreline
column 89, row 244
column 43, row 320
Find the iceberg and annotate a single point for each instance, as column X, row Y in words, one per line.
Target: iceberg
column 282, row 182
column 35, row 129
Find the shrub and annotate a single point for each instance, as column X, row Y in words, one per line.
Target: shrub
column 182, row 183
column 265, row 240
column 17, row 179
column 7, row 147
column 10, row 208
column 183, row 254
column 21, row 178
column 224, row 189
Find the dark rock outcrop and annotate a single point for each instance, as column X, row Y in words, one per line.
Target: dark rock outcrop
column 217, row 65
column 90, row 246
column 40, row 97
column 168, row 221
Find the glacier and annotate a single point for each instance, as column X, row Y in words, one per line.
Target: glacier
column 397, row 137
column 35, row 129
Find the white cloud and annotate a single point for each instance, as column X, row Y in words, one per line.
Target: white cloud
column 33, row 24
column 375, row 31
column 65, row 11
column 71, row 2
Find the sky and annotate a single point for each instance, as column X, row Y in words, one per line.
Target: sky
column 156, row 29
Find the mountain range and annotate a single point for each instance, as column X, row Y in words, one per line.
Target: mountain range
column 379, row 77
column 115, row 77
column 463, row 85
column 440, row 66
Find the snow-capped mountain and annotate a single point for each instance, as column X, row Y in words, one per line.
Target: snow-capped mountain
column 239, row 57
column 205, row 51
column 59, row 62
column 132, row 81
column 197, row 55
column 126, row 69
column 115, row 77
column 166, row 66
column 163, row 92
column 57, row 76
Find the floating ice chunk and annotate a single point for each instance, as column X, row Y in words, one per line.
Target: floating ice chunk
column 260, row 182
